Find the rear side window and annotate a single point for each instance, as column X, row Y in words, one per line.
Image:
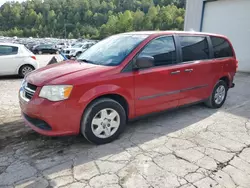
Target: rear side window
column 221, row 47
column 8, row 50
column 47, row 46
column 162, row 49
column 194, row 48
column 41, row 46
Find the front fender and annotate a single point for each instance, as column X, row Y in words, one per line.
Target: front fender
column 108, row 89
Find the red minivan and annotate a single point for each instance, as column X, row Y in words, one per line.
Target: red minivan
column 126, row 76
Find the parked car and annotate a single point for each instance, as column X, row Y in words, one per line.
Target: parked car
column 45, row 49
column 61, row 45
column 126, row 76
column 30, row 45
column 16, row 59
column 77, row 49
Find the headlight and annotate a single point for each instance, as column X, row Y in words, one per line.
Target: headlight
column 56, row 92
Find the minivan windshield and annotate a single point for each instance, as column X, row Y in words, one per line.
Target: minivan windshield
column 112, row 50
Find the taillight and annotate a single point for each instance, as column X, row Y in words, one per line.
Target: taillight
column 33, row 57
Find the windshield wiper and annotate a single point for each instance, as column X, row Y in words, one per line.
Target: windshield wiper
column 85, row 60
column 88, row 61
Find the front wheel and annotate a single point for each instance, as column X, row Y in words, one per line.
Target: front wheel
column 218, row 96
column 103, row 121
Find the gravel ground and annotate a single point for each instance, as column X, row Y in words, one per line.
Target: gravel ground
column 186, row 148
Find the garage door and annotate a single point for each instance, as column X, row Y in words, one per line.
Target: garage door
column 231, row 18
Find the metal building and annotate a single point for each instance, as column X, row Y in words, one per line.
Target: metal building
column 227, row 17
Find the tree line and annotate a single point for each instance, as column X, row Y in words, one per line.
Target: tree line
column 88, row 18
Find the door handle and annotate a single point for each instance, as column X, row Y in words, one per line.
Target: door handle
column 188, row 70
column 175, row 72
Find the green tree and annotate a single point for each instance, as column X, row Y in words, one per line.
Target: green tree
column 138, row 19
column 89, row 18
column 125, row 21
column 70, row 35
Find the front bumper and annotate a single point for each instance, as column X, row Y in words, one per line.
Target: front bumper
column 51, row 118
column 40, row 124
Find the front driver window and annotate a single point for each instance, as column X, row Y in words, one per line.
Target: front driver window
column 162, row 49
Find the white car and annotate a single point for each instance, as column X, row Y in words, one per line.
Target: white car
column 61, row 45
column 77, row 49
column 16, row 59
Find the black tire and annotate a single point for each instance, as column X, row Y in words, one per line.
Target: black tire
column 211, row 100
column 22, row 68
column 78, row 54
column 90, row 113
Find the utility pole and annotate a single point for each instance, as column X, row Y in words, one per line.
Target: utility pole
column 65, row 28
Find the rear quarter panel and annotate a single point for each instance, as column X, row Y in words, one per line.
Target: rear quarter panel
column 27, row 60
column 226, row 67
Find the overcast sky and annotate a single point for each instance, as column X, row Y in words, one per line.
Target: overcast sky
column 3, row 1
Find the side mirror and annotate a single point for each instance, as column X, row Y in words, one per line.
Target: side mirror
column 144, row 62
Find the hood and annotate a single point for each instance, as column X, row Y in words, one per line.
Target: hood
column 48, row 73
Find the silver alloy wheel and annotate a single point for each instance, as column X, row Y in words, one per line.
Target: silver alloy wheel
column 220, row 94
column 105, row 123
column 40, row 52
column 26, row 70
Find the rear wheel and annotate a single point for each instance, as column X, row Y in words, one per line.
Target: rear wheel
column 25, row 69
column 40, row 52
column 218, row 96
column 103, row 121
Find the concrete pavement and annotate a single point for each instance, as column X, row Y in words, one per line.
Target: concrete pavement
column 193, row 147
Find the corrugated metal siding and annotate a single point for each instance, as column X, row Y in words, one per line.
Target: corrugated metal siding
column 193, row 15
column 230, row 18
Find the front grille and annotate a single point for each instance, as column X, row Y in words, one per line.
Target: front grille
column 29, row 91
column 28, row 95
column 31, row 86
column 38, row 123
